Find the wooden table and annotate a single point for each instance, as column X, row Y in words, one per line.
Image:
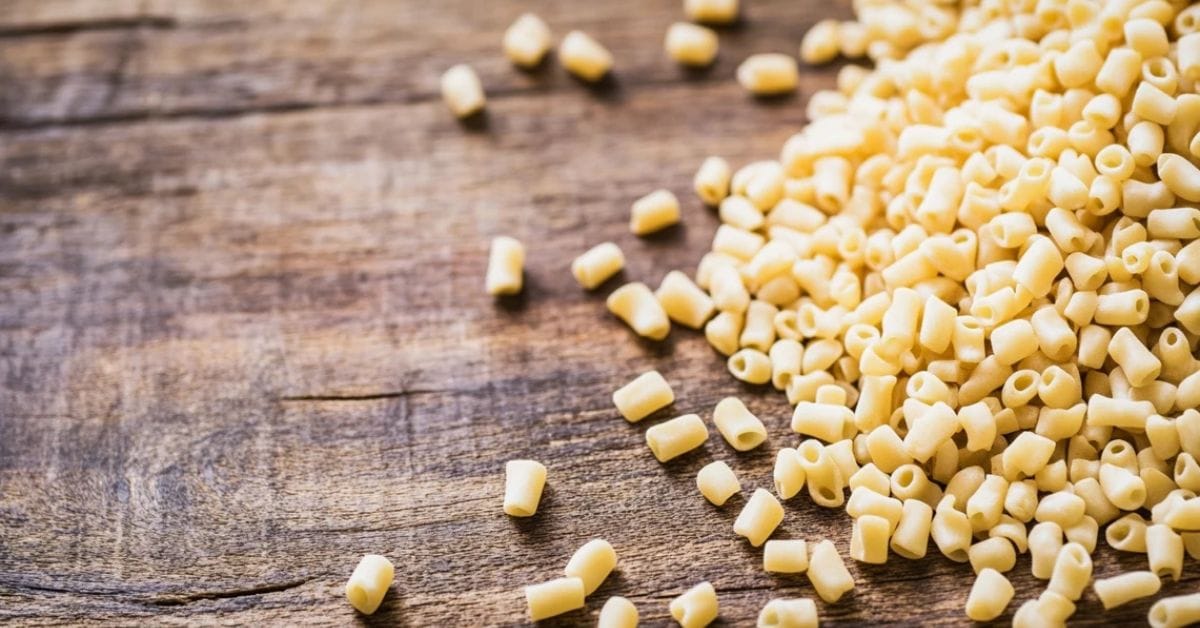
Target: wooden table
column 246, row 341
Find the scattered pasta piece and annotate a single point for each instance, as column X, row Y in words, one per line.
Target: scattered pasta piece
column 506, row 266
column 592, row 563
column 462, row 91
column 794, row 613
column 369, row 583
column 523, row 484
column 554, row 597
column 759, row 518
column 646, row 394
column 676, row 437
column 527, row 40
column 653, row 212
column 598, row 264
column 697, row 607
column 691, row 44
column 768, row 74
column 711, row 11
column 584, row 57
column 618, row 612
column 717, row 483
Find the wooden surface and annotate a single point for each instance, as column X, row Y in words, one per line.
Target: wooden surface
column 245, row 339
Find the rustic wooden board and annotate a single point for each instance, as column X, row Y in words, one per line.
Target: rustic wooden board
column 245, row 339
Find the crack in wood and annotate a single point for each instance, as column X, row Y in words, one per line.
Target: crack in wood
column 160, row 22
column 399, row 394
column 188, row 598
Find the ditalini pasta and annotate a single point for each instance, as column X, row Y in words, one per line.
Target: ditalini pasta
column 691, row 44
column 584, row 57
column 527, row 40
column 759, row 518
column 646, row 394
column 792, row 613
column 506, row 265
column 676, row 437
column 741, row 429
column 462, row 90
column 592, row 563
column 369, row 583
column 653, row 212
column 717, row 482
column 828, row 573
column 618, row 612
column 523, row 484
column 554, row 597
column 697, row 607
column 598, row 264
column 975, row 275
column 638, row 307
column 990, row 595
column 785, row 556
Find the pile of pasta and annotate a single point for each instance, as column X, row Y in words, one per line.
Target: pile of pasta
column 976, row 275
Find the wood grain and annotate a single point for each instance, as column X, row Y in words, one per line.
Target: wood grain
column 246, row 341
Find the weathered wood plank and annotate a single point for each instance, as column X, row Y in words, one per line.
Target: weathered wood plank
column 213, row 61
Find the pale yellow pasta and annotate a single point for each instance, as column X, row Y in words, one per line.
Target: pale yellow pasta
column 869, row 539
column 741, row 429
column 462, row 90
column 598, row 264
column 785, row 556
column 1175, row 612
column 759, row 517
column 1063, row 508
column 1164, row 551
column 1103, row 411
column 523, row 484
column 937, row 325
column 1072, row 571
column 786, row 357
column 1123, row 489
column 788, row 475
column 369, row 583
column 951, row 530
column 1127, row 534
column 995, row 553
column 711, row 182
column 653, row 212
column 1013, row 341
column 1045, row 543
column 828, row 573
column 1038, row 265
column 911, row 536
column 554, row 597
column 506, row 262
column 989, row 596
column 773, row 259
column 646, row 394
column 728, row 290
column 1060, row 423
column 618, row 612
column 1153, row 104
column 1186, row 472
column 717, row 482
column 979, row 424
column 887, row 449
column 1180, row 175
column 691, row 44
column 1085, row 532
column 637, row 306
column 1185, row 516
column 684, row 301
column 527, row 40
column 712, row 11
column 750, row 366
column 1139, row 364
column 697, row 607
column 1125, row 588
column 584, row 57
column 792, row 613
column 741, row 213
column 759, row 331
column 676, row 437
column 869, row 476
column 825, row 421
column 985, row 506
column 1119, row 72
column 592, row 563
column 768, row 73
column 823, row 476
column 929, row 427
column 864, row 501
column 821, row 43
column 1028, row 453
